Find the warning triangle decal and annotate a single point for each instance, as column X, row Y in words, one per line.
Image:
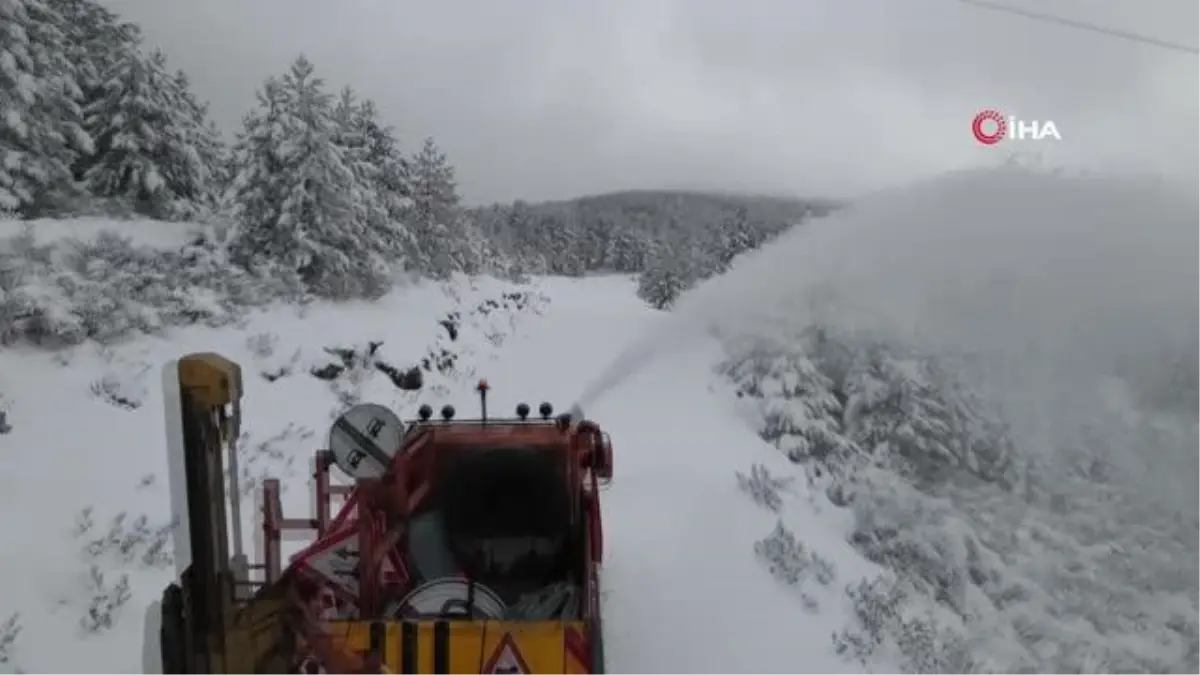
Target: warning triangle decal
column 506, row 659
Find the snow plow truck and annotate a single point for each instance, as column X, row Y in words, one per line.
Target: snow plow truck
column 451, row 546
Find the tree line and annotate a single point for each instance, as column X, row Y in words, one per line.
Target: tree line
column 316, row 187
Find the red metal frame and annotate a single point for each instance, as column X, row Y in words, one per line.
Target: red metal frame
column 378, row 504
column 274, row 522
column 368, row 569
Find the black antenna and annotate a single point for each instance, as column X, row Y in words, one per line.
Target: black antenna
column 483, row 388
column 1083, row 25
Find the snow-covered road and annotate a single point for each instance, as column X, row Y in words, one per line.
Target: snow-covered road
column 683, row 589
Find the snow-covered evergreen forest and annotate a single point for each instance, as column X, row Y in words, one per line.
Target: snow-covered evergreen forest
column 314, row 196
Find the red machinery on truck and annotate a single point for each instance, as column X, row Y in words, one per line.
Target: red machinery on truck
column 462, row 545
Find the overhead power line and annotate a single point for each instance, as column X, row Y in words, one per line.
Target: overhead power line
column 1082, row 25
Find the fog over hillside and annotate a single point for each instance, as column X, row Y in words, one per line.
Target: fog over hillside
column 1047, row 287
column 1029, row 343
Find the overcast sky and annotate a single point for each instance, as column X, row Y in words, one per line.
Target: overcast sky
column 542, row 99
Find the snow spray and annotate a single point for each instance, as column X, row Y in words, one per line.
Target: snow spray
column 627, row 363
column 667, row 337
column 697, row 314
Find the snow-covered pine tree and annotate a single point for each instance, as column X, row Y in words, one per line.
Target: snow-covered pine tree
column 663, row 280
column 734, row 236
column 894, row 413
column 205, row 137
column 558, row 241
column 96, row 41
column 298, row 199
column 256, row 187
column 521, row 234
column 40, row 130
column 348, row 134
column 912, row 417
column 512, row 227
column 434, row 214
column 383, row 152
column 627, row 252
column 147, row 130
column 600, row 234
column 372, row 154
column 802, row 407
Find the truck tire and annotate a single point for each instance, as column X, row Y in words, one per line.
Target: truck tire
column 171, row 634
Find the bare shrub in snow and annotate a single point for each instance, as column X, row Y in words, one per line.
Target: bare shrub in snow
column 786, row 558
column 494, row 318
column 272, row 364
column 350, row 368
column 10, row 630
column 120, row 390
column 888, row 630
column 262, row 345
column 127, row 541
column 927, row 648
column 763, row 488
column 83, row 522
column 105, row 603
column 272, row 457
column 875, row 606
column 790, row 562
column 497, row 320
column 5, row 427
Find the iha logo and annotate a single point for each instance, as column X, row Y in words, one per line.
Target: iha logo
column 990, row 127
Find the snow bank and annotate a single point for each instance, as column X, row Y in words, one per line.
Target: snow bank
column 995, row 371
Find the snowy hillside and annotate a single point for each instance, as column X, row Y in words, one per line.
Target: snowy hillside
column 996, row 373
column 88, row 422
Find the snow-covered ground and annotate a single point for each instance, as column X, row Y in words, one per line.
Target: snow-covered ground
column 683, row 589
column 84, row 463
column 85, row 469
